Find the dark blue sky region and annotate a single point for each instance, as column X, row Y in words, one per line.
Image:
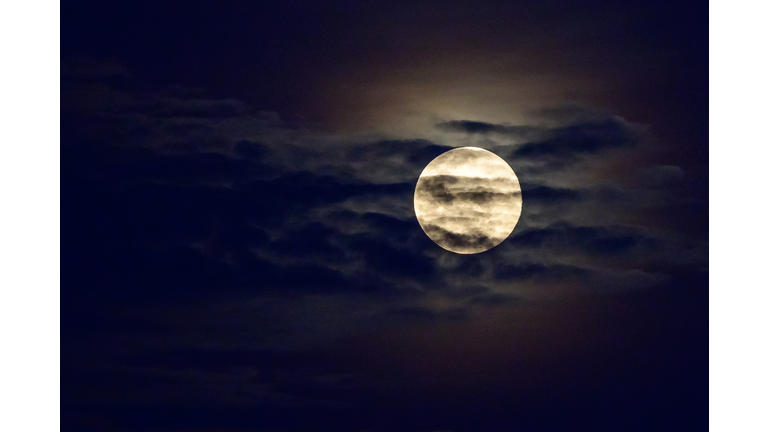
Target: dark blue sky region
column 240, row 250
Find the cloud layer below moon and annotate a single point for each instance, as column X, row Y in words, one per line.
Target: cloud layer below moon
column 468, row 200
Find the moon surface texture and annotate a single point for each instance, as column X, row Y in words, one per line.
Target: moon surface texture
column 468, row 200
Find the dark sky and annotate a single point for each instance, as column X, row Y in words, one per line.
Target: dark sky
column 239, row 250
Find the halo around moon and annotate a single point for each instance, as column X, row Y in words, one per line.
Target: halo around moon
column 468, row 200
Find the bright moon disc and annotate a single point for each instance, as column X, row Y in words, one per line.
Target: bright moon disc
column 468, row 200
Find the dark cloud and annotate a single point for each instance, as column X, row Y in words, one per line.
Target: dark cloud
column 477, row 127
column 207, row 224
column 389, row 260
column 595, row 240
column 233, row 215
column 537, row 271
column 149, row 226
column 390, row 225
column 437, row 187
column 386, row 161
column 481, row 196
column 446, row 189
column 311, row 241
column 472, row 268
column 585, row 132
column 195, row 168
column 469, row 126
column 459, row 240
column 568, row 142
column 569, row 114
column 419, row 152
column 402, row 232
column 315, row 277
column 546, row 194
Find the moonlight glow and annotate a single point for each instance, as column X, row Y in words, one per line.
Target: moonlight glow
column 468, row 200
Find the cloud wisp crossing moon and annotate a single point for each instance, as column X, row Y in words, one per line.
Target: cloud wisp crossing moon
column 468, row 200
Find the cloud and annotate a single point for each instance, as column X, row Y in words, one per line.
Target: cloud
column 389, row 260
column 197, row 168
column 568, row 114
column 243, row 216
column 170, row 197
column 537, row 271
column 566, row 143
column 460, row 241
column 561, row 137
column 198, row 232
column 444, row 189
column 239, row 232
column 386, row 161
column 119, row 112
column 312, row 241
column 206, row 224
column 594, row 240
column 477, row 127
column 312, row 278
column 418, row 151
column 547, row 194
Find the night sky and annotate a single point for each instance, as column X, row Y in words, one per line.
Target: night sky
column 240, row 252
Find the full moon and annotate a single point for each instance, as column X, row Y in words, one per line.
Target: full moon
column 468, row 200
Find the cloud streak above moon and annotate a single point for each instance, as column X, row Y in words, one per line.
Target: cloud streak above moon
column 468, row 200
